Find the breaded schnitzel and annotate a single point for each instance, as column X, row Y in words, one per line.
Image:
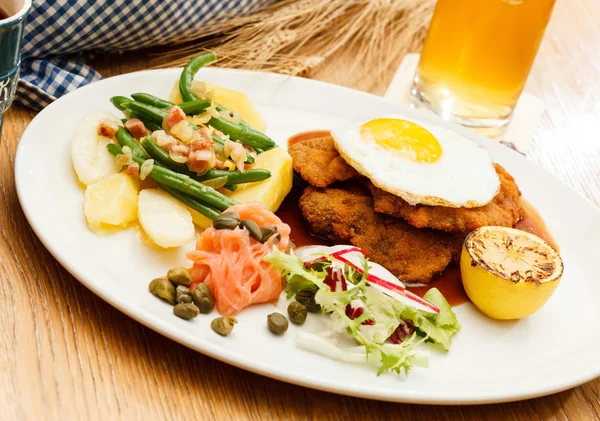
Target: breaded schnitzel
column 504, row 209
column 347, row 215
column 319, row 163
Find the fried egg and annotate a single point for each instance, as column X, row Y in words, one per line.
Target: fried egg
column 422, row 162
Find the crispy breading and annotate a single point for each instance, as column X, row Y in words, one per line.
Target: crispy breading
column 347, row 215
column 319, row 163
column 504, row 209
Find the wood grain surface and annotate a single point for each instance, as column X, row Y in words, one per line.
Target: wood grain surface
column 67, row 355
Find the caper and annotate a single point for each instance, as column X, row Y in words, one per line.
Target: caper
column 223, row 325
column 252, row 228
column 162, row 288
column 183, row 294
column 307, row 298
column 180, row 276
column 277, row 323
column 268, row 232
column 297, row 312
column 186, row 311
column 203, row 298
column 226, row 221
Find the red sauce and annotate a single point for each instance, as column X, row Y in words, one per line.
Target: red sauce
column 449, row 282
column 532, row 222
column 450, row 285
column 307, row 135
column 291, row 215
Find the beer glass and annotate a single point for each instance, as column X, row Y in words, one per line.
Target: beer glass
column 476, row 59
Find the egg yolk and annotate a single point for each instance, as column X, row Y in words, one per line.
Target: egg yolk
column 404, row 137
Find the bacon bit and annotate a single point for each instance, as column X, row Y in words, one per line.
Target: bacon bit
column 174, row 115
column 136, row 128
column 403, row 331
column 133, row 169
column 201, row 161
column 179, row 149
column 202, row 155
column 107, row 127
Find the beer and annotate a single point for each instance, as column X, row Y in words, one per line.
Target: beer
column 477, row 56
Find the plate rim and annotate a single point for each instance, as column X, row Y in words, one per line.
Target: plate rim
column 162, row 327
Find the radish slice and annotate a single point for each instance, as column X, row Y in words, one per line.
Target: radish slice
column 377, row 273
column 382, row 279
column 312, row 254
column 378, row 276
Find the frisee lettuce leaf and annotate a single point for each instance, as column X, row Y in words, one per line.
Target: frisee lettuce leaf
column 438, row 328
column 385, row 311
column 297, row 277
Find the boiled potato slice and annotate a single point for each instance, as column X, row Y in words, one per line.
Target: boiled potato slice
column 232, row 100
column 165, row 220
column 111, row 202
column 238, row 102
column 271, row 191
column 91, row 160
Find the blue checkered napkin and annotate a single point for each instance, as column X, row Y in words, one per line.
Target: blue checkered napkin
column 56, row 28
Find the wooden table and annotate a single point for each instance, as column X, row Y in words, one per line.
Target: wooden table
column 65, row 354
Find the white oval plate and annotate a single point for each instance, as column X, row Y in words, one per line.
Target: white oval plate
column 489, row 361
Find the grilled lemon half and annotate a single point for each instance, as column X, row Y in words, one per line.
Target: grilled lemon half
column 509, row 273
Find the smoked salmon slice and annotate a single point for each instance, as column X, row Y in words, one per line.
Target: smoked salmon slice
column 231, row 263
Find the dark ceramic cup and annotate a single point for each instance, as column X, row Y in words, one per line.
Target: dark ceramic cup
column 12, row 19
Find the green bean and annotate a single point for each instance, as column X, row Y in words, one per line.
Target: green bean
column 154, row 114
column 120, row 102
column 244, row 134
column 181, row 183
column 208, row 211
column 195, row 107
column 188, row 73
column 233, row 177
column 150, row 125
column 250, row 137
column 189, row 108
column 219, row 107
column 151, row 100
column 161, row 156
column 237, row 177
column 125, row 139
column 242, row 123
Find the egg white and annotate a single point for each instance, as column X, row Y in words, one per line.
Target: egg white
column 463, row 176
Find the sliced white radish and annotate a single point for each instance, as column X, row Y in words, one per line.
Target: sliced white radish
column 382, row 279
column 379, row 277
column 165, row 220
column 310, row 254
column 377, row 273
column 91, row 160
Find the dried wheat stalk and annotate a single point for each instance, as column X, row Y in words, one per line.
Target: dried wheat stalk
column 296, row 36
